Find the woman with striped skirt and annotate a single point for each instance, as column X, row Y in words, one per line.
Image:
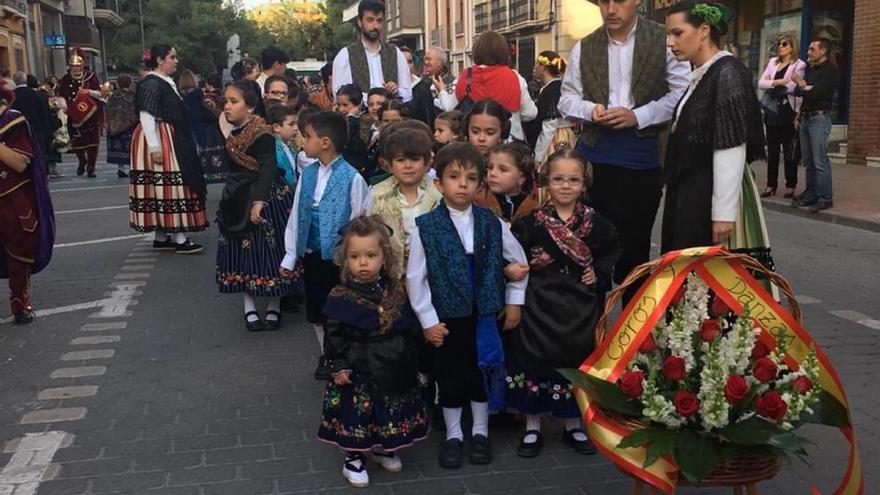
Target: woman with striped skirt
column 253, row 214
column 167, row 193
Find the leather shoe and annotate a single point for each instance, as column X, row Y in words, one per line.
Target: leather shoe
column 821, row 205
column 451, row 453
column 584, row 447
column 481, row 450
column 530, row 449
column 25, row 316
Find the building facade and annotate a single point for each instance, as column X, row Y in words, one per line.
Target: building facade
column 46, row 18
column 13, row 35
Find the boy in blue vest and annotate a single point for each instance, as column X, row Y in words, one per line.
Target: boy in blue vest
column 456, row 284
column 330, row 192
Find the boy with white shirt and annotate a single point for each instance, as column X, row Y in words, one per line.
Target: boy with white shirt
column 330, row 192
column 456, row 285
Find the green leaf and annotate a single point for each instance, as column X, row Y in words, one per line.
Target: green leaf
column 828, row 411
column 787, row 441
column 640, row 437
column 607, row 394
column 753, row 431
column 695, row 454
column 660, row 441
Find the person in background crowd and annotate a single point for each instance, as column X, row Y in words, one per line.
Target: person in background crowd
column 348, row 104
column 780, row 110
column 549, row 131
column 213, row 87
column 448, row 128
column 710, row 192
column 52, row 82
column 6, row 75
column 370, row 62
column 321, row 95
column 57, row 136
column 81, row 89
column 410, row 63
column 27, row 222
column 249, row 70
column 817, row 88
column 624, row 105
column 122, row 118
column 167, row 193
column 426, row 104
column 274, row 61
column 35, row 108
column 204, row 127
column 277, row 88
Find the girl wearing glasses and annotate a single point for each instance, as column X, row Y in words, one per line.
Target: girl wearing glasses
column 571, row 251
column 780, row 110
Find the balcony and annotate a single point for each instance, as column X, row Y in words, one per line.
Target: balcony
column 499, row 14
column 15, row 8
column 404, row 19
column 523, row 11
column 81, row 31
column 106, row 13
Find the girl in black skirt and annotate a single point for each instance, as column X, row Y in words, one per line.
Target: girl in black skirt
column 253, row 213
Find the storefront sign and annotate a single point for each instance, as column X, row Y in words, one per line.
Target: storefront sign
column 54, row 40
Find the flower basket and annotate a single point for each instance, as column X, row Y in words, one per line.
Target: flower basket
column 704, row 379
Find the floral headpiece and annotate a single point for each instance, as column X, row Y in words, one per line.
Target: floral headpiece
column 556, row 62
column 712, row 14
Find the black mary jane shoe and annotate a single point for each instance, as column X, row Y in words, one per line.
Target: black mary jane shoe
column 584, row 447
column 272, row 323
column 481, row 450
column 451, row 453
column 253, row 326
column 530, row 449
column 25, row 316
column 322, row 371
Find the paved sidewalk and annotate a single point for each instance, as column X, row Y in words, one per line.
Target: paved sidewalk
column 856, row 202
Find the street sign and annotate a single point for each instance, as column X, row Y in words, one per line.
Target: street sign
column 54, row 40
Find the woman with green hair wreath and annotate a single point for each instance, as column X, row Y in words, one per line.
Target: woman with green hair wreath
column 717, row 129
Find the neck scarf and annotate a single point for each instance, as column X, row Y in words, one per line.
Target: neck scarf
column 238, row 144
column 568, row 235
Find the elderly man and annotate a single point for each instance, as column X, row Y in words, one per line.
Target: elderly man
column 369, row 62
column 432, row 94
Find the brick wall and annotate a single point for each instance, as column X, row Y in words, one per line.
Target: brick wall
column 864, row 116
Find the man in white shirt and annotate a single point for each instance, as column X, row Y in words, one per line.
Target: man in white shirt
column 370, row 62
column 274, row 61
column 623, row 84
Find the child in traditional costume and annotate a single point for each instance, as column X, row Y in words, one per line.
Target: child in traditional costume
column 572, row 251
column 372, row 403
column 509, row 175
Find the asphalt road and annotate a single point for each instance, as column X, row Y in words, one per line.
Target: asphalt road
column 151, row 385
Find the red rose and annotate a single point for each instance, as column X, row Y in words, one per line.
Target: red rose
column 649, row 344
column 735, row 389
column 679, row 295
column 760, row 350
column 631, row 383
column 718, row 307
column 771, row 406
column 673, row 368
column 686, row 403
column 765, row 370
column 709, row 329
column 802, row 384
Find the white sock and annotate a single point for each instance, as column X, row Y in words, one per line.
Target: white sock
column 480, row 411
column 274, row 305
column 179, row 238
column 533, row 422
column 160, row 235
column 574, row 424
column 319, row 332
column 452, row 416
column 250, row 304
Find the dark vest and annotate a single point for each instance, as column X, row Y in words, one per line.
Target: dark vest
column 648, row 71
column 451, row 291
column 360, row 69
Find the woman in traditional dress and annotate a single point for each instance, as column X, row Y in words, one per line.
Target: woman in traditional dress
column 122, row 118
column 717, row 128
column 549, row 131
column 205, row 128
column 253, row 213
column 167, row 193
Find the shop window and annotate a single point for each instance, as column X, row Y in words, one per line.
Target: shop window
column 19, row 59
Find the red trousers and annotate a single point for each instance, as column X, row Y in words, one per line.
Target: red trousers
column 18, row 239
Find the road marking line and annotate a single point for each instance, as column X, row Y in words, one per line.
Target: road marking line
column 802, row 299
column 68, row 392
column 142, row 253
column 119, row 300
column 125, row 276
column 78, row 372
column 86, row 355
column 98, row 339
column 86, row 210
column 137, row 267
column 138, row 259
column 30, row 462
column 856, row 317
column 63, row 309
column 74, row 189
column 104, row 325
column 870, row 323
column 97, row 241
column 54, row 415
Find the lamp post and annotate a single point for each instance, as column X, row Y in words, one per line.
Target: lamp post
column 143, row 43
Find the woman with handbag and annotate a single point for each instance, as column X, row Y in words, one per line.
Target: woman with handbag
column 780, row 110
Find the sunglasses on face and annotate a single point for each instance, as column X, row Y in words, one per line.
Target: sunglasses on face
column 783, row 44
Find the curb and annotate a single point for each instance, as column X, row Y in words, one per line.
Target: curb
column 824, row 216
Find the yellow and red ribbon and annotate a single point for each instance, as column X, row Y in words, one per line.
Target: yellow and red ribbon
column 737, row 288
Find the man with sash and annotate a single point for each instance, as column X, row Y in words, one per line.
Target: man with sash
column 369, row 62
column 27, row 226
column 81, row 89
column 623, row 84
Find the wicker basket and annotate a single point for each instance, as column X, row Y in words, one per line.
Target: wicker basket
column 743, row 470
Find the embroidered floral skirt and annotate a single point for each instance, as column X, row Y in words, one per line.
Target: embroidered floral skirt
column 212, row 152
column 539, row 393
column 354, row 418
column 250, row 263
column 158, row 197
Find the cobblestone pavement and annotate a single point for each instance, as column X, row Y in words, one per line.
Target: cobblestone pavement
column 153, row 386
